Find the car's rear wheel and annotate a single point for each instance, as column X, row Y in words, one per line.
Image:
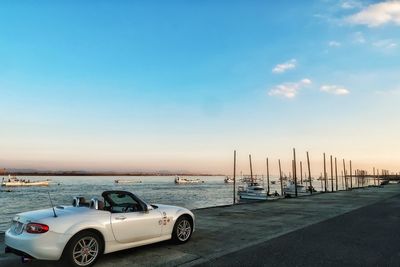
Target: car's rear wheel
column 183, row 230
column 83, row 249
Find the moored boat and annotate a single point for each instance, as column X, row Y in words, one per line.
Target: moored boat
column 255, row 191
column 179, row 180
column 14, row 182
column 119, row 181
column 228, row 180
column 252, row 191
column 290, row 189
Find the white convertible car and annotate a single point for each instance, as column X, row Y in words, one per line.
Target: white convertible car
column 80, row 233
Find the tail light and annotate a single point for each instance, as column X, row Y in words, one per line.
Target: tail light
column 36, row 228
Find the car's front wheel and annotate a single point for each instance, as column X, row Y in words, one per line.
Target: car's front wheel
column 83, row 249
column 183, row 230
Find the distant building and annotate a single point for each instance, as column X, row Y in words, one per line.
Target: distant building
column 2, row 171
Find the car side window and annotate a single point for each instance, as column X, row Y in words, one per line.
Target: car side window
column 123, row 203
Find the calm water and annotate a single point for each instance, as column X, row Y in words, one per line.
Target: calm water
column 157, row 189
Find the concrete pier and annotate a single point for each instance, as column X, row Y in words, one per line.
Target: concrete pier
column 224, row 231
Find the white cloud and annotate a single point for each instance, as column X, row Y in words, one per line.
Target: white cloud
column 385, row 44
column 334, row 89
column 334, row 44
column 289, row 90
column 281, row 68
column 377, row 14
column 350, row 4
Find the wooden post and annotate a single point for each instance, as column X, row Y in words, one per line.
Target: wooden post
column 374, row 176
column 280, row 177
column 331, row 174
column 251, row 171
column 358, row 173
column 377, row 174
column 342, row 181
column 351, row 177
column 234, row 177
column 337, row 188
column 325, row 178
column 322, row 182
column 267, row 178
column 345, row 177
column 301, row 172
column 309, row 173
column 294, row 172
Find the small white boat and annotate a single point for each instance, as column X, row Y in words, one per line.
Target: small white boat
column 13, row 181
column 290, row 189
column 228, row 180
column 254, row 191
column 119, row 181
column 179, row 180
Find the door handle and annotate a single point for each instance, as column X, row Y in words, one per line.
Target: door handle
column 120, row 218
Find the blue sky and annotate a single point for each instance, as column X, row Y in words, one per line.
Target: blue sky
column 178, row 85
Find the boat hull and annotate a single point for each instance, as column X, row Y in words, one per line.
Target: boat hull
column 127, row 182
column 18, row 184
column 254, row 196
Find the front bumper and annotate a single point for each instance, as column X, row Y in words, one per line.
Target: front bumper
column 47, row 246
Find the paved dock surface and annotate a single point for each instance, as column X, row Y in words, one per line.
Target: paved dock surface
column 325, row 229
column 368, row 236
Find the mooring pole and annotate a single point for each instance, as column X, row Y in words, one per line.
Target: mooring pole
column 351, row 177
column 294, row 171
column 251, row 170
column 337, row 188
column 331, row 174
column 344, row 172
column 267, row 178
column 325, row 178
column 322, row 181
column 309, row 173
column 301, row 172
column 280, row 177
column 377, row 174
column 358, row 176
column 234, row 176
column 342, row 181
column 374, row 176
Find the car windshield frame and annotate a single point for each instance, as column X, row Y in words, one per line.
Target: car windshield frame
column 133, row 204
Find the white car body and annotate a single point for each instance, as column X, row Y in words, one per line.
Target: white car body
column 120, row 230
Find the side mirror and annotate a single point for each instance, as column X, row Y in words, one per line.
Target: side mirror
column 147, row 208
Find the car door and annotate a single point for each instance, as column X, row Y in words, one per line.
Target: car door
column 130, row 224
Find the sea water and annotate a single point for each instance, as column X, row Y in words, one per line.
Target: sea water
column 152, row 189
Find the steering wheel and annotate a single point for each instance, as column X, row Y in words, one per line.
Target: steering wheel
column 126, row 209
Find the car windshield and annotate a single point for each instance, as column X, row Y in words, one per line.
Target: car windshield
column 120, row 198
column 122, row 202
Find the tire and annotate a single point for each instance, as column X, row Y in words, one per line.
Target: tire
column 82, row 250
column 183, row 230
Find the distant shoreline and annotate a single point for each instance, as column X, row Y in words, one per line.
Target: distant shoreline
column 104, row 174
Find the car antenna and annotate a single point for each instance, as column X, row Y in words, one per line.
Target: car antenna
column 52, row 206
